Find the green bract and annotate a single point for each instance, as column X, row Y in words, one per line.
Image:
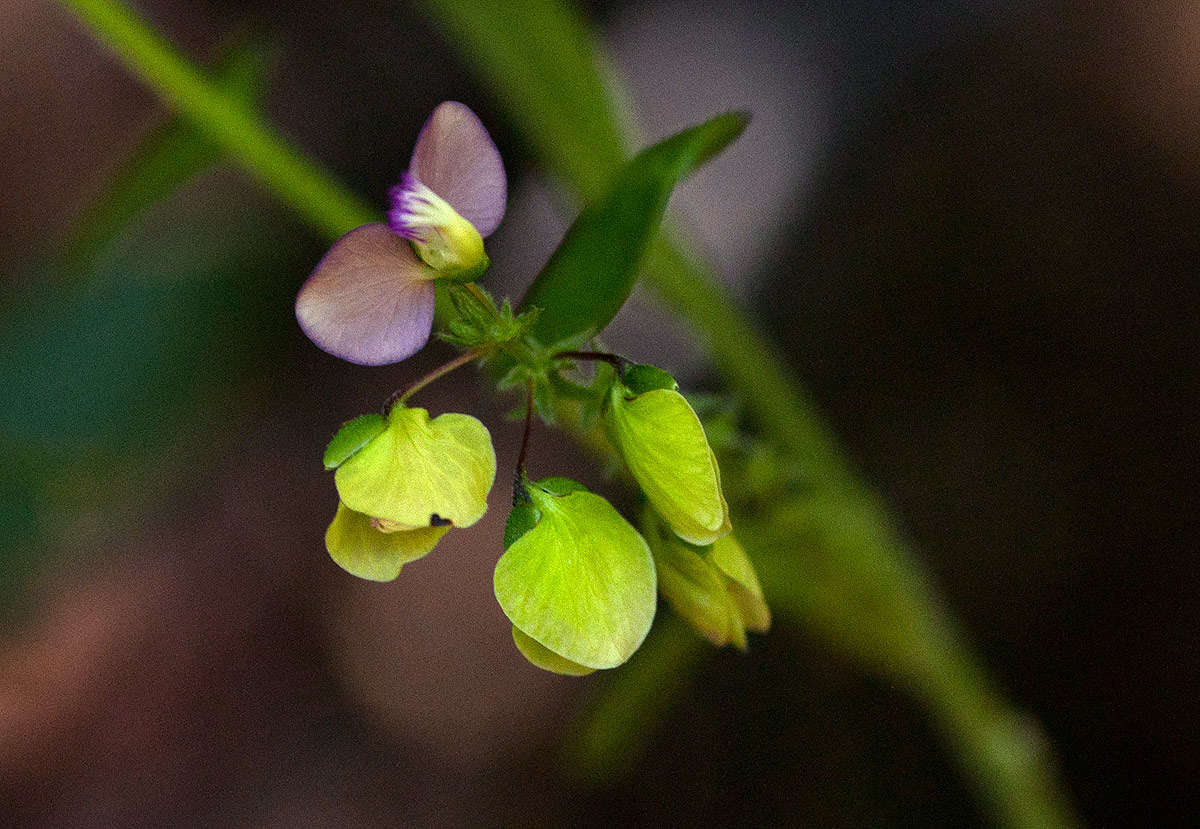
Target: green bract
column 420, row 472
column 354, row 435
column 579, row 581
column 714, row 588
column 363, row 550
column 665, row 448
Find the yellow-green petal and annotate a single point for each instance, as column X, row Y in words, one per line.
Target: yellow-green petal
column 420, row 472
column 542, row 657
column 581, row 582
column 695, row 590
column 728, row 555
column 363, row 551
column 713, row 588
column 665, row 448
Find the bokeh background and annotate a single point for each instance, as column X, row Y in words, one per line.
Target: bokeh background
column 972, row 228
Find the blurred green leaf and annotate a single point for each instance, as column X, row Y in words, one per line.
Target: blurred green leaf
column 173, row 307
column 590, row 275
column 620, row 712
column 100, row 376
column 166, row 158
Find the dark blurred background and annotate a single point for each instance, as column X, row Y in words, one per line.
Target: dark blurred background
column 972, row 229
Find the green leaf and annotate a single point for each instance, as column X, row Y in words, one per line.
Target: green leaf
column 581, row 582
column 590, row 275
column 542, row 657
column 354, row 435
column 165, row 159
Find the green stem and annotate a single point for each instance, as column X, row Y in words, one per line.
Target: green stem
column 613, row 360
column 1002, row 749
column 327, row 205
column 439, row 372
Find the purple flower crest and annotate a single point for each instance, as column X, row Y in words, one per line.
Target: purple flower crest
column 370, row 299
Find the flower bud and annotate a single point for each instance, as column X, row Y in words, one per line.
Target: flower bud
column 443, row 239
column 576, row 579
column 665, row 448
column 714, row 589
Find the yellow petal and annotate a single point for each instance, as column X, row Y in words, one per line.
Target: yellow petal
column 542, row 657
column 363, row 551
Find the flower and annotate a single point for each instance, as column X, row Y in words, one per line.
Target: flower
column 664, row 445
column 403, row 482
column 359, row 546
column 576, row 579
column 370, row 299
column 714, row 588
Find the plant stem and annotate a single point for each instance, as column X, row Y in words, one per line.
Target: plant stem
column 321, row 200
column 441, row 371
column 598, row 356
column 528, row 427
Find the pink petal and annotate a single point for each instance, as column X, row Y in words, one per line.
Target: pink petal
column 455, row 158
column 369, row 300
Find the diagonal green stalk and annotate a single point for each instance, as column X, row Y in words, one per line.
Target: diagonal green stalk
column 232, row 124
column 869, row 599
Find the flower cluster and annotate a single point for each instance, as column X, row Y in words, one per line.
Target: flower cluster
column 578, row 581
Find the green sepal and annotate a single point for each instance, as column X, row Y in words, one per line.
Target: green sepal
column 360, row 549
column 643, row 378
column 542, row 657
column 525, row 515
column 352, row 436
column 522, row 519
column 557, row 485
column 544, row 400
column 590, row 395
column 581, row 581
column 475, row 321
